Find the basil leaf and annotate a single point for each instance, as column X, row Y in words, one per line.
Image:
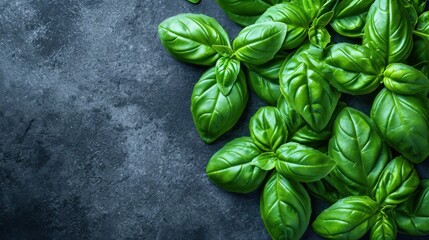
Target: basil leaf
column 242, row 20
column 412, row 217
column 264, row 79
column 324, row 189
column 294, row 17
column 353, row 69
column 190, row 37
column 323, row 20
column 230, row 168
column 384, row 227
column 302, row 163
column 267, row 129
column 355, row 144
column 285, row 208
column 307, row 90
column 349, row 218
column 312, row 7
column 393, row 38
column 422, row 28
column 396, row 183
column 226, row 70
column 265, row 161
column 247, row 7
column 419, row 57
column 419, row 5
column 194, row 1
column 403, row 121
column 213, row 113
column 350, row 17
column 319, row 36
column 293, row 120
column 258, row 43
column 224, row 51
column 403, row 79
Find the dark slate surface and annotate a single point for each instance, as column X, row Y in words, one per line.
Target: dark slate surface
column 97, row 140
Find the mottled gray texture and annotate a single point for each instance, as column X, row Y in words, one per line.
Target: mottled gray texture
column 97, row 139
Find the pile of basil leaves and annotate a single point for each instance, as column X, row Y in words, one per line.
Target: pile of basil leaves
column 306, row 140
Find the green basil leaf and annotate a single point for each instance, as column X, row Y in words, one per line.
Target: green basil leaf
column 302, row 163
column 327, row 6
column 267, row 129
column 324, row 189
column 293, row 120
column 265, row 161
column 393, row 38
column 396, row 183
column 294, row 17
column 323, row 20
column 307, row 90
column 242, row 20
column 353, row 69
column 230, row 168
column 226, row 70
column 419, row 5
column 258, row 43
column 412, row 217
column 285, row 208
column 350, row 17
column 349, row 218
column 355, row 144
column 384, row 227
column 224, row 51
column 403, row 121
column 190, row 37
column 312, row 7
column 419, row 57
column 213, row 113
column 319, row 36
column 422, row 28
column 403, row 79
column 246, row 7
column 194, row 1
column 411, row 11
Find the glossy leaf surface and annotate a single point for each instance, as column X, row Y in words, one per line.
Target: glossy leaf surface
column 227, row 70
column 319, row 36
column 265, row 161
column 212, row 112
column 350, row 17
column 384, row 227
column 324, row 189
column 230, row 167
column 403, row 79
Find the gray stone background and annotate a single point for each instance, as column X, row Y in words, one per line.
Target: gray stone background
column 96, row 136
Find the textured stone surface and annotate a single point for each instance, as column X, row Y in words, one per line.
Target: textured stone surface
column 97, row 140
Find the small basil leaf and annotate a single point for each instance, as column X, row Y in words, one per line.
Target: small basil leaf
column 246, row 8
column 224, row 51
column 355, row 144
column 227, row 70
column 194, row 1
column 213, row 113
column 403, row 121
column 353, row 69
column 350, row 17
column 403, row 79
column 230, row 168
column 285, row 208
column 422, row 28
column 258, row 43
column 324, row 189
column 319, row 36
column 412, row 217
column 294, row 17
column 384, row 227
column 349, row 218
column 265, row 161
column 324, row 20
column 190, row 37
column 396, row 183
column 267, row 129
column 307, row 90
column 392, row 38
column 327, row 6
column 302, row 163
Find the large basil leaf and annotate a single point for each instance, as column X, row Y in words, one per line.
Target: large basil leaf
column 267, row 129
column 355, row 144
column 353, row 69
column 396, row 183
column 349, row 218
column 389, row 30
column 403, row 121
column 412, row 217
column 285, row 208
column 213, row 113
column 350, row 17
column 403, row 79
column 189, row 38
column 422, row 28
column 246, row 7
column 230, row 167
column 324, row 189
column 264, row 79
column 302, row 163
column 258, row 43
column 384, row 227
column 227, row 70
column 294, row 17
column 307, row 90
